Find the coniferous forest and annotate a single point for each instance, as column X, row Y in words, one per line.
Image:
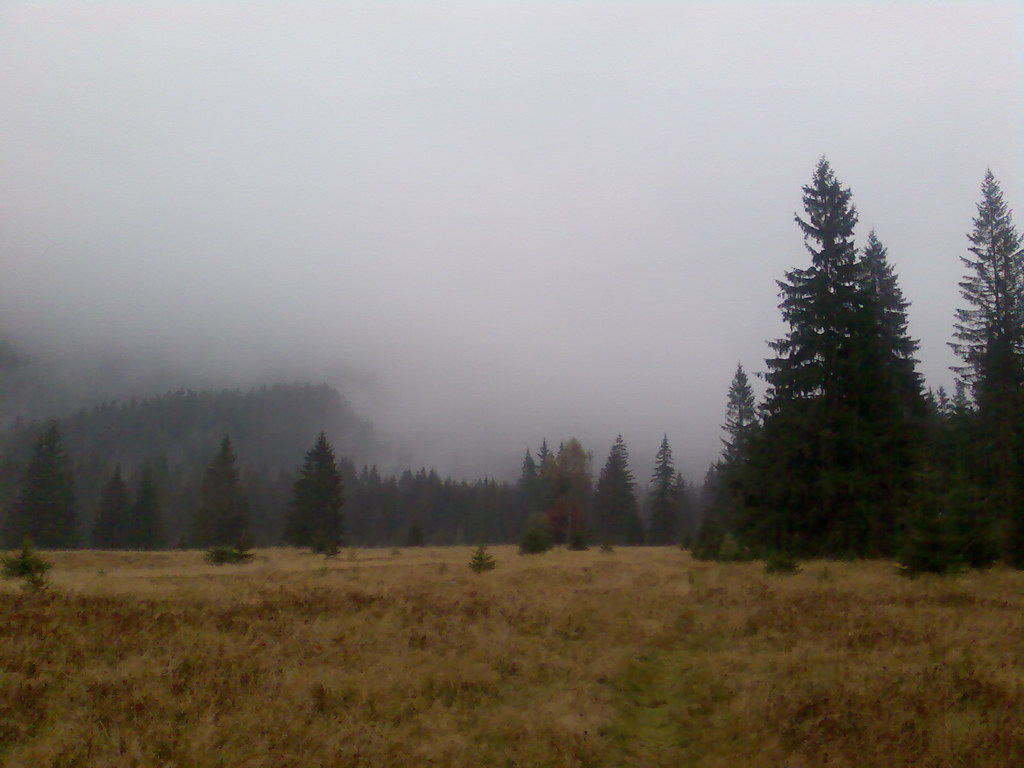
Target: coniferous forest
column 849, row 454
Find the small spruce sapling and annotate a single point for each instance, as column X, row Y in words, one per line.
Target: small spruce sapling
column 26, row 565
column 481, row 561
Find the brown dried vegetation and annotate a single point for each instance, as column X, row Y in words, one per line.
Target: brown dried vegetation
column 567, row 659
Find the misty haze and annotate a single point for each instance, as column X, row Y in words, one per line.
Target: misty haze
column 713, row 310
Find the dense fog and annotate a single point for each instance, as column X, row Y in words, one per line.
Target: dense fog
column 485, row 224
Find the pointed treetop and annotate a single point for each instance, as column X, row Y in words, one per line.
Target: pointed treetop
column 830, row 214
column 663, row 468
column 740, row 414
column 544, row 453
column 993, row 288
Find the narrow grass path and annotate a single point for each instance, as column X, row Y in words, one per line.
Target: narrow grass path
column 664, row 706
column 647, row 731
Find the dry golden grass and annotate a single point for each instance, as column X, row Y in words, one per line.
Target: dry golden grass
column 637, row 657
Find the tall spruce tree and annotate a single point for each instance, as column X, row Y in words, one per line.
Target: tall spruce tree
column 45, row 508
column 616, row 515
column 989, row 334
column 822, row 304
column 663, row 523
column 528, row 486
column 546, row 492
column 314, row 516
column 111, row 528
column 527, row 496
column 894, row 413
column 811, row 486
column 221, row 517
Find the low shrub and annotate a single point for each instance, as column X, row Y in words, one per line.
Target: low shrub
column 537, row 538
column 577, row 541
column 228, row 555
column 780, row 564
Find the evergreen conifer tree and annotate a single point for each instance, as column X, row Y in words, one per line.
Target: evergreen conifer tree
column 26, row 565
column 814, row 483
column 45, row 508
column 990, row 331
column 663, row 526
column 111, row 529
column 314, row 517
column 616, row 515
column 528, row 474
column 527, row 490
column 989, row 334
column 546, row 492
column 822, row 304
column 722, row 491
column 481, row 561
column 896, row 348
column 740, row 415
column 893, row 410
column 221, row 517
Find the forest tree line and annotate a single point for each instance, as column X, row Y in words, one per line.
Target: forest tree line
column 327, row 502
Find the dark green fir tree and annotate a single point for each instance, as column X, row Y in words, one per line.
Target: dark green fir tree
column 45, row 508
column 546, row 492
column 740, row 416
column 722, row 494
column 615, row 511
column 895, row 346
column 989, row 334
column 662, row 503
column 314, row 516
column 812, row 484
column 527, row 490
column 893, row 411
column 221, row 517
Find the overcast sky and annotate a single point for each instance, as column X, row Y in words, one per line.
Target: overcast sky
column 489, row 222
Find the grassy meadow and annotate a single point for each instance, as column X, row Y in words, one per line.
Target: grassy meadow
column 639, row 657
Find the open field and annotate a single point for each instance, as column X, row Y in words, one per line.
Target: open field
column 380, row 658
